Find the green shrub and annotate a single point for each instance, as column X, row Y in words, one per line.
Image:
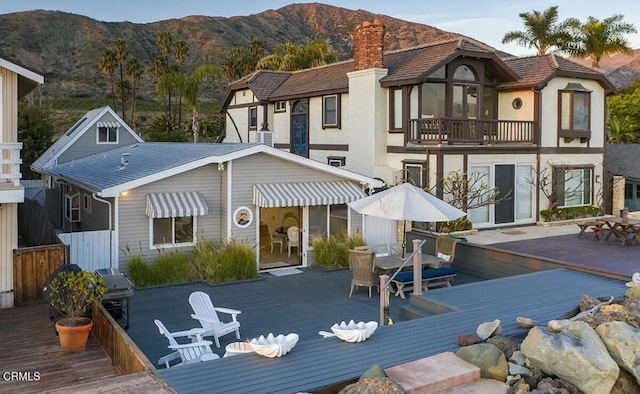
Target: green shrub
column 461, row 224
column 567, row 213
column 167, row 268
column 225, row 262
column 334, row 252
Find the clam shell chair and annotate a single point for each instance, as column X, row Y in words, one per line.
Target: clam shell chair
column 362, row 264
column 188, row 353
column 275, row 239
column 207, row 315
column 293, row 238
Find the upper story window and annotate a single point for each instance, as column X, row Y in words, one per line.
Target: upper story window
column 107, row 135
column 464, row 73
column 395, row 103
column 253, row 118
column 432, row 103
column 575, row 111
column 280, row 106
column 72, row 207
column 331, row 111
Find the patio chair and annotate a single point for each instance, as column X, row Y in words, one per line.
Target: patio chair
column 188, row 353
column 207, row 315
column 445, row 250
column 275, row 238
column 293, row 238
column 289, row 222
column 362, row 264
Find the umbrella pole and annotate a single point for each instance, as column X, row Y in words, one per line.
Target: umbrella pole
column 404, row 237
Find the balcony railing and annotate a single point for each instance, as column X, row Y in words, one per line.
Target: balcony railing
column 10, row 164
column 454, row 131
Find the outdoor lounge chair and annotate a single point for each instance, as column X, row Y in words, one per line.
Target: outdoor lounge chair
column 207, row 315
column 445, row 250
column 188, row 353
column 362, row 264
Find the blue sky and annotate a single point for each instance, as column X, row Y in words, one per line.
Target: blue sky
column 486, row 21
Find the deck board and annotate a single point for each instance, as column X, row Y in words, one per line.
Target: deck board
column 316, row 362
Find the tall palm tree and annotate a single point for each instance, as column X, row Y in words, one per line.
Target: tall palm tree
column 121, row 51
column 164, row 40
column 191, row 92
column 596, row 38
column 291, row 57
column 180, row 53
column 541, row 31
column 108, row 64
column 135, row 69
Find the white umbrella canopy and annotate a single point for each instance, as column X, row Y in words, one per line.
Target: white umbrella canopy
column 406, row 202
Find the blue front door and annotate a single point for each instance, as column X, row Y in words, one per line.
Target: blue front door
column 300, row 130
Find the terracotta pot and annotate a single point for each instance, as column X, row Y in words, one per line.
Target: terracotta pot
column 74, row 333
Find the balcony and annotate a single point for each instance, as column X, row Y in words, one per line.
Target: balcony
column 457, row 131
column 10, row 189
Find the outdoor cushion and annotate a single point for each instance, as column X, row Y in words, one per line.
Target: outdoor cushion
column 426, row 274
column 445, row 257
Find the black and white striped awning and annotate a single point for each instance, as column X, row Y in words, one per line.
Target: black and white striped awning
column 271, row 195
column 110, row 124
column 173, row 205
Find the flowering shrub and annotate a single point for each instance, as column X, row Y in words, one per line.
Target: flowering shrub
column 74, row 293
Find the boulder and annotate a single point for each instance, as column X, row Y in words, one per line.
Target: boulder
column 373, row 386
column 623, row 343
column 487, row 357
column 508, row 345
column 633, row 292
column 632, row 306
column 573, row 351
column 626, row 384
column 608, row 313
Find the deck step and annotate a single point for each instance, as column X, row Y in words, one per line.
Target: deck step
column 410, row 312
column 434, row 374
column 482, row 386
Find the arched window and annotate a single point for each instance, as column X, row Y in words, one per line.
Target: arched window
column 464, row 73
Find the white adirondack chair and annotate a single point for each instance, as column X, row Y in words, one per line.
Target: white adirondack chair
column 188, row 353
column 207, row 315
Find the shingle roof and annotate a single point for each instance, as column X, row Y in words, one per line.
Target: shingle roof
column 536, row 71
column 329, row 78
column 622, row 159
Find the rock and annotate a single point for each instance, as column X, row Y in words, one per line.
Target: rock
column 525, row 322
column 488, row 329
column 623, row 343
column 507, row 345
column 608, row 313
column 487, row 357
column 373, row 386
column 518, row 358
column 468, row 339
column 626, row 384
column 574, row 352
column 375, row 371
column 515, row 369
column 587, row 302
column 633, row 292
column 521, row 387
column 555, row 386
column 632, row 306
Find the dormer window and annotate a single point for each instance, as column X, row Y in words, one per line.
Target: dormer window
column 574, row 112
column 107, row 133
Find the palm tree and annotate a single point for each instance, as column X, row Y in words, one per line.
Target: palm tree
column 596, row 38
column 191, row 92
column 121, row 51
column 542, row 31
column 291, row 57
column 620, row 131
column 180, row 53
column 135, row 69
column 108, row 66
column 164, row 40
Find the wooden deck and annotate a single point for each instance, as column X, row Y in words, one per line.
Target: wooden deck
column 30, row 345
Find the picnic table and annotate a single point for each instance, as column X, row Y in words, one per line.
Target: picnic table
column 626, row 231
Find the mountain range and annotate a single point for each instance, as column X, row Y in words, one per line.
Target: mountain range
column 65, row 47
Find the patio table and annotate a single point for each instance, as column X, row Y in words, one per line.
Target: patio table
column 393, row 262
column 625, row 231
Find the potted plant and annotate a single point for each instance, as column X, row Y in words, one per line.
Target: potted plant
column 73, row 294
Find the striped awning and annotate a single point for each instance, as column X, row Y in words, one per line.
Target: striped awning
column 107, row 123
column 271, row 195
column 173, row 205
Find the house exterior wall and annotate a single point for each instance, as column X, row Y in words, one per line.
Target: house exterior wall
column 87, row 145
column 238, row 117
column 506, row 111
column 134, row 225
column 97, row 218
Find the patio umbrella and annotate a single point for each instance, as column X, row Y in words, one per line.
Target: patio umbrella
column 406, row 202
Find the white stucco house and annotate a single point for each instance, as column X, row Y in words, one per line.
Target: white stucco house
column 15, row 83
column 419, row 113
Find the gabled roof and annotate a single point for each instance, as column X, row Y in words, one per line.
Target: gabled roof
column 622, row 160
column 27, row 79
column 125, row 168
column 86, row 122
column 536, row 71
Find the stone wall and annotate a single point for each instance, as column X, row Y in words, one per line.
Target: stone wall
column 617, row 201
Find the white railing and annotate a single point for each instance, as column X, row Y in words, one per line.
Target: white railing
column 10, row 163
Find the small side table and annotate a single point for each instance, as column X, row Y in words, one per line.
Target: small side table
column 236, row 348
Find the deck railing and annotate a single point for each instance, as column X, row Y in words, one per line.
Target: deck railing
column 10, row 163
column 471, row 131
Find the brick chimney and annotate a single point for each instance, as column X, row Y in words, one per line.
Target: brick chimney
column 368, row 44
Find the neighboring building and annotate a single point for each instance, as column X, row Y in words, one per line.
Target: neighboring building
column 419, row 113
column 15, row 83
column 152, row 197
column 622, row 164
column 99, row 130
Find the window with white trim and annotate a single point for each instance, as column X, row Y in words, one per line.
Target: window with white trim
column 173, row 232
column 253, row 118
column 87, row 202
column 573, row 186
column 413, row 173
column 331, row 111
column 280, row 106
column 107, row 135
column 72, row 207
column 336, row 161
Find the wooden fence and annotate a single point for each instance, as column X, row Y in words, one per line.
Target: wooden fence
column 34, row 226
column 122, row 351
column 31, row 268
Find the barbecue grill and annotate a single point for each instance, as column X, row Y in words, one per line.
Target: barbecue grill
column 119, row 290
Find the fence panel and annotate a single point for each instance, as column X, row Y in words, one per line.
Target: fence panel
column 91, row 250
column 31, row 268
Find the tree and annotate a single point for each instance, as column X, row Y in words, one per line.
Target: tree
column 242, row 61
column 191, row 93
column 180, row 53
column 291, row 57
column 624, row 109
column 553, row 189
column 134, row 72
column 108, row 66
column 541, row 31
column 35, row 131
column 121, row 51
column 620, row 131
column 596, row 38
